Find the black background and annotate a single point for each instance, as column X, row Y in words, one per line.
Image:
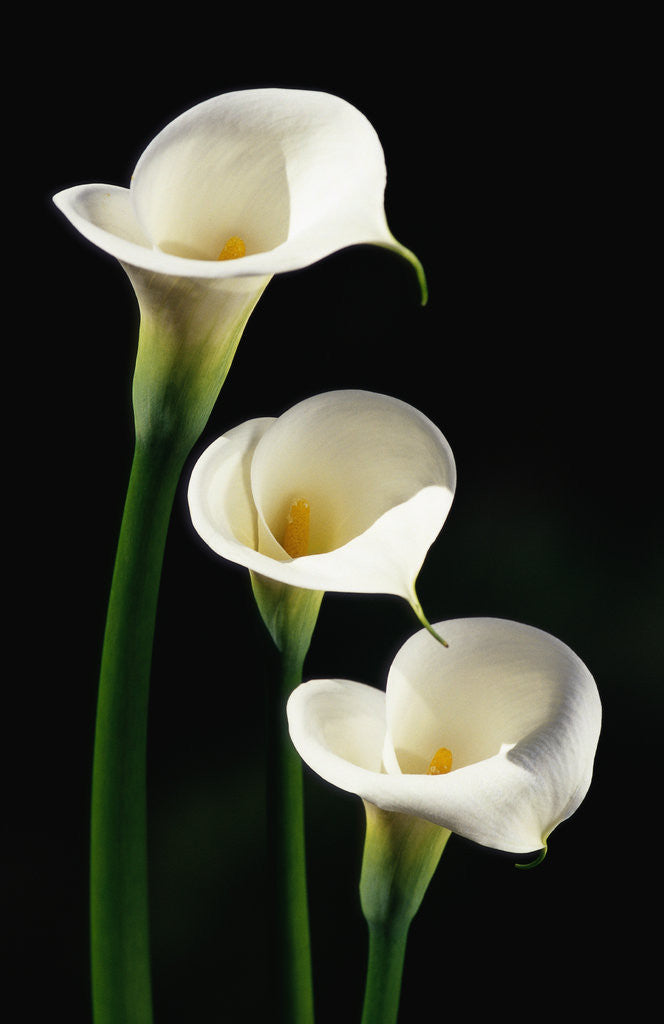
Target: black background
column 518, row 158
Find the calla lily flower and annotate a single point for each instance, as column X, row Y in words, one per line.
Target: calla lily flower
column 346, row 491
column 242, row 186
column 493, row 739
column 295, row 174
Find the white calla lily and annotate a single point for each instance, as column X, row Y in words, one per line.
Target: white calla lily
column 516, row 707
column 296, row 174
column 242, row 186
column 378, row 476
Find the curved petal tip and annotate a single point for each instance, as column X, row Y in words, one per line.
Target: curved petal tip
column 534, row 863
column 419, row 612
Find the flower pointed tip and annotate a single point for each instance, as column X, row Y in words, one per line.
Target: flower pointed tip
column 436, row 635
column 417, row 608
column 424, row 288
column 534, row 863
column 421, row 276
column 415, row 263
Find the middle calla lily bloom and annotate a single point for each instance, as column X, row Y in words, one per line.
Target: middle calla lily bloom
column 346, row 491
column 493, row 739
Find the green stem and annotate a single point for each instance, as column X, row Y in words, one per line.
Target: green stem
column 293, row 981
column 290, row 615
column 121, row 986
column 387, row 952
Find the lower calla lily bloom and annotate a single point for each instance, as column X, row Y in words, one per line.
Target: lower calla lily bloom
column 493, row 739
column 346, row 491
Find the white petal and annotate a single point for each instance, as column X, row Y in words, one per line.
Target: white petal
column 104, row 215
column 520, row 713
column 220, row 502
column 338, row 727
column 378, row 475
column 217, row 170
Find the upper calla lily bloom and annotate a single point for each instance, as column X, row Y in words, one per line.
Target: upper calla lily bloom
column 493, row 739
column 242, row 186
column 289, row 175
column 346, row 491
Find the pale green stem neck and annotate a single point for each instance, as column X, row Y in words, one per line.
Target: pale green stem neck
column 401, row 854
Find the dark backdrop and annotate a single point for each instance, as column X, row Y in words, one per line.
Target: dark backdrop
column 517, row 160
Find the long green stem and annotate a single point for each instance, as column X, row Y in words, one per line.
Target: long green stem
column 121, row 985
column 293, row 979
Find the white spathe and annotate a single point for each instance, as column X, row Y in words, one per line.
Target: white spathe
column 296, row 174
column 378, row 475
column 518, row 709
